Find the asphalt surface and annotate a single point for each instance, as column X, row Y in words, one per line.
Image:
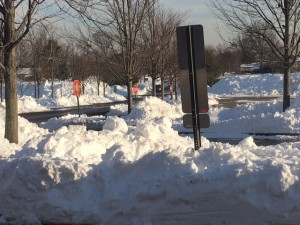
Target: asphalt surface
column 89, row 110
column 258, row 142
column 232, row 101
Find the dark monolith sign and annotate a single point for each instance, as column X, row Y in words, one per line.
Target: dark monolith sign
column 193, row 79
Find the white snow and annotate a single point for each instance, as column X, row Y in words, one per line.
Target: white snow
column 138, row 170
column 261, row 84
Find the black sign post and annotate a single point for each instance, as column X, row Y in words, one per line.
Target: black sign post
column 193, row 77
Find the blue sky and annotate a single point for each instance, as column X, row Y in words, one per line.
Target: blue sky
column 199, row 13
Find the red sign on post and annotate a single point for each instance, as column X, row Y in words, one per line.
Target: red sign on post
column 135, row 89
column 77, row 88
column 171, row 88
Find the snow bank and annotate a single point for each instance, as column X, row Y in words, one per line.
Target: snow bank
column 138, row 170
column 253, row 117
column 148, row 175
column 260, row 84
column 63, row 95
column 152, row 108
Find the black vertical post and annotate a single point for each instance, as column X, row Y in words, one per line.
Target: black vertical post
column 78, row 105
column 193, row 78
column 193, row 89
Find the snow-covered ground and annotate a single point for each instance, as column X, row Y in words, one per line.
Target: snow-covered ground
column 139, row 171
column 263, row 85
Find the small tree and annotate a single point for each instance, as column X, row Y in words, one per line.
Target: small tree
column 83, row 68
column 52, row 53
column 38, row 38
column 281, row 17
column 14, row 29
column 212, row 66
column 158, row 33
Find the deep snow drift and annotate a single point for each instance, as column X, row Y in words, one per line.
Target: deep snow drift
column 138, row 170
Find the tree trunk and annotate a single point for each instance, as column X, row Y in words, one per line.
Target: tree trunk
column 286, row 63
column 153, row 87
column 162, row 84
column 11, row 97
column 1, row 88
column 21, row 88
column 61, row 89
column 104, row 90
column 39, row 90
column 171, row 92
column 35, row 88
column 10, row 75
column 286, row 89
column 129, row 95
column 52, row 87
column 98, row 88
column 175, row 89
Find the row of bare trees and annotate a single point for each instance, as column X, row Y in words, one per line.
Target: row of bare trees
column 52, row 57
column 134, row 38
column 120, row 35
column 274, row 22
column 242, row 49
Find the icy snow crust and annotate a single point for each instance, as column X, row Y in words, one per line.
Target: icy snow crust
column 139, row 171
column 260, row 84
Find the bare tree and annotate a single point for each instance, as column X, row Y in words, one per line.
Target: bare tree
column 168, row 55
column 13, row 33
column 83, row 68
column 279, row 16
column 171, row 71
column 127, row 18
column 151, row 40
column 158, row 33
column 38, row 38
column 119, row 27
column 52, row 54
column 253, row 48
column 102, row 74
column 16, row 18
column 228, row 58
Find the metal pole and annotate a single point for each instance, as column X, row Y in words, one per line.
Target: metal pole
column 286, row 64
column 78, row 105
column 193, row 89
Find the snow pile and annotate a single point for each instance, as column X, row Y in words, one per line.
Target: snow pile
column 148, row 175
column 27, row 103
column 27, row 131
column 138, row 170
column 153, row 107
column 63, row 95
column 260, row 84
column 254, row 118
column 85, row 161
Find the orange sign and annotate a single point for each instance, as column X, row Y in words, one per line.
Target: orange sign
column 171, row 88
column 77, row 88
column 135, row 89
